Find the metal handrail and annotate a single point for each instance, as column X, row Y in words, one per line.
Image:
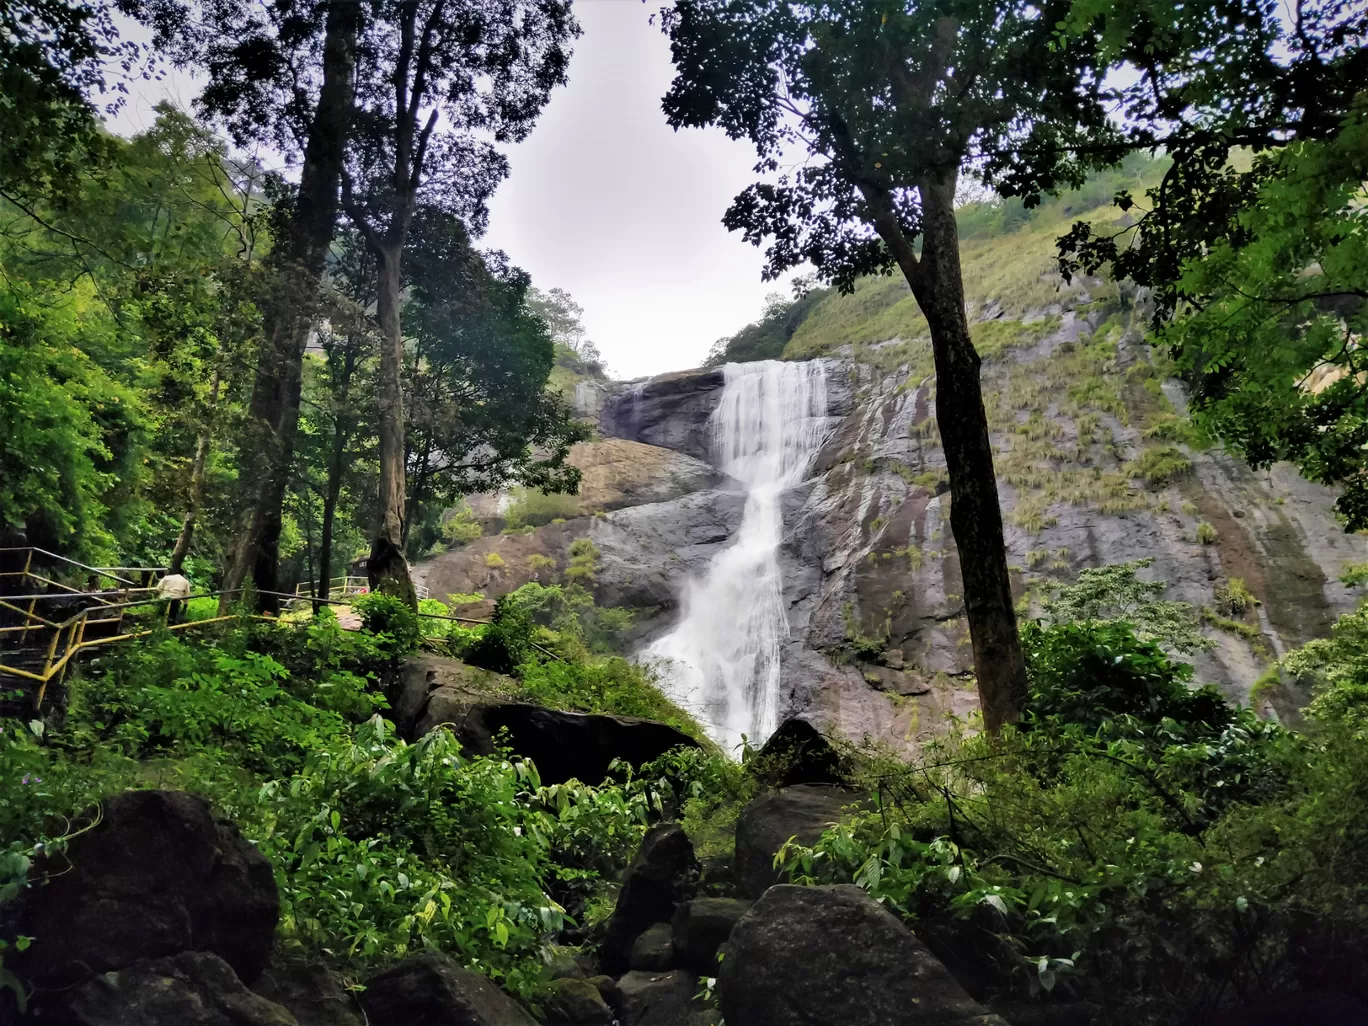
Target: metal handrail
column 104, row 571
column 73, row 629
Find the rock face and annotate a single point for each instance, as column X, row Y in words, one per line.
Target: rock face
column 701, row 927
column 832, row 956
column 192, row 989
column 564, row 745
column 802, row 812
column 877, row 642
column 662, row 875
column 670, row 411
column 159, row 875
column 432, row 990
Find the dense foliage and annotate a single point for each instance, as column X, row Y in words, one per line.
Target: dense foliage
column 381, row 847
column 1133, row 843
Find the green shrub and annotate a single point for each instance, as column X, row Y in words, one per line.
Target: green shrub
column 460, row 526
column 391, row 619
column 507, row 642
column 612, row 685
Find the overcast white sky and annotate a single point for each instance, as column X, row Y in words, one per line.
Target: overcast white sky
column 609, row 203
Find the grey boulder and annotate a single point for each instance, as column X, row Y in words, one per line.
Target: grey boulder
column 701, row 927
column 803, row 812
column 833, row 956
column 662, row 875
column 157, row 875
column 432, row 990
column 195, row 988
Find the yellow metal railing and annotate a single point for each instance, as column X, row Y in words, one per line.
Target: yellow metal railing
column 67, row 638
column 341, row 587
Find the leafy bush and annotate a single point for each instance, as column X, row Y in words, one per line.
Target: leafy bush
column 1105, row 848
column 507, row 642
column 391, row 619
column 383, row 848
column 460, row 526
column 611, row 685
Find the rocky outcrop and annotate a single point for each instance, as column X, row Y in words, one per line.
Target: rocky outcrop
column 191, row 989
column 158, row 874
column 832, row 956
column 662, row 874
column 563, row 745
column 618, row 472
column 671, row 411
column 648, row 553
column 433, row 990
column 701, row 927
column 446, row 685
column 802, row 812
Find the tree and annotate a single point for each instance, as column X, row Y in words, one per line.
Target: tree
column 54, row 56
column 1253, row 245
column 883, row 103
column 482, row 416
column 280, row 73
column 135, row 289
column 436, row 81
column 564, row 320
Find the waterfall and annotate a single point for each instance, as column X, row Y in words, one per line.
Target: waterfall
column 722, row 660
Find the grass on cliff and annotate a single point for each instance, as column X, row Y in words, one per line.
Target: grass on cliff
column 1008, row 258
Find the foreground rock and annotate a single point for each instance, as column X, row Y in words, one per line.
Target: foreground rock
column 193, row 989
column 662, row 875
column 832, row 956
column 1315, row 1008
column 658, row 999
column 444, row 683
column 311, row 995
column 564, row 745
column 576, row 1003
column 160, row 874
column 803, row 811
column 432, row 990
column 798, row 753
column 701, row 927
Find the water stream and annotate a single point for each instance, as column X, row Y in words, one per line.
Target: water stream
column 722, row 660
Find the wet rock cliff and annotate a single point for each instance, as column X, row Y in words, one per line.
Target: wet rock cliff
column 1097, row 465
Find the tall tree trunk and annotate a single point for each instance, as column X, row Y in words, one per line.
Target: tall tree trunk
column 975, row 514
column 273, row 414
column 197, row 471
column 336, row 464
column 387, row 568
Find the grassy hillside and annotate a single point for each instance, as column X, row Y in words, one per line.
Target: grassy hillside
column 1008, row 255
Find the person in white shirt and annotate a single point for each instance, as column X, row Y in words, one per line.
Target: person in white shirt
column 173, row 589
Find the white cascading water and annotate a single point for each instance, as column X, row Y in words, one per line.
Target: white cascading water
column 722, row 661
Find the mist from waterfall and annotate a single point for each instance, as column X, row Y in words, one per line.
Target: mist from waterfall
column 722, row 661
